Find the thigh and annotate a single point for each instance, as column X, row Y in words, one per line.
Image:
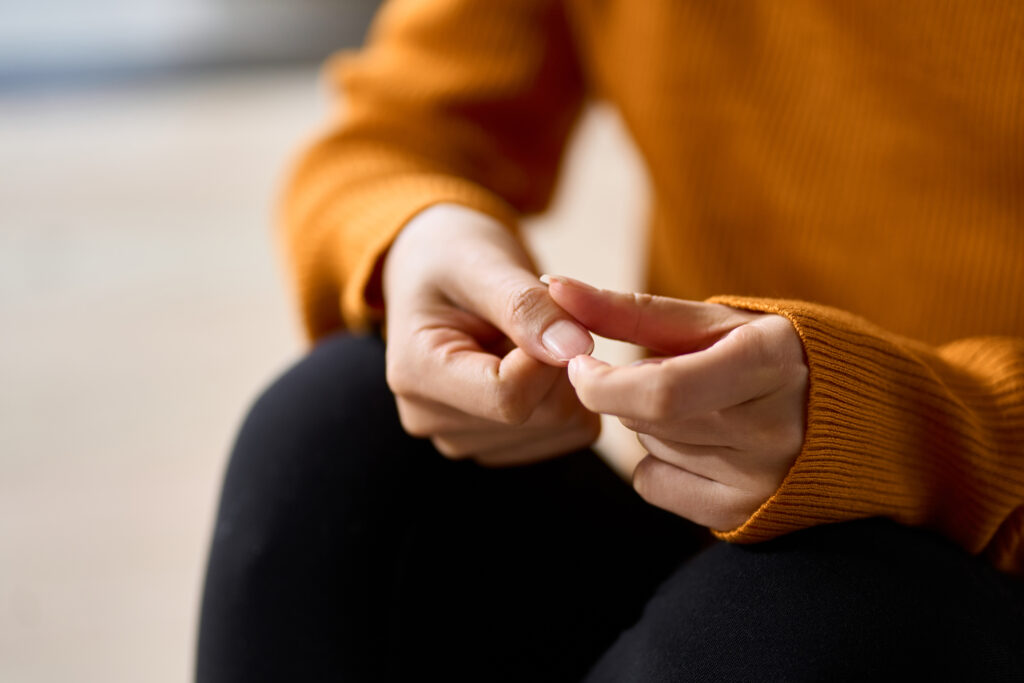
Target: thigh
column 344, row 548
column 305, row 502
column 865, row 600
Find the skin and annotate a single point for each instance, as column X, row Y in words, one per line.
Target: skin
column 466, row 356
column 721, row 412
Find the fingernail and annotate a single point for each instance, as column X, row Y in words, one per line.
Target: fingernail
column 565, row 340
column 548, row 279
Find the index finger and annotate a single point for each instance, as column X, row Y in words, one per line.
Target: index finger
column 451, row 368
column 727, row 373
column 661, row 323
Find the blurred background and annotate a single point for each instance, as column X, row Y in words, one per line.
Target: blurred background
column 143, row 304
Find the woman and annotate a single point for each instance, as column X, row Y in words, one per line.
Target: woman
column 867, row 478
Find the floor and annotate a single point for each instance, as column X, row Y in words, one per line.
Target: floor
column 142, row 306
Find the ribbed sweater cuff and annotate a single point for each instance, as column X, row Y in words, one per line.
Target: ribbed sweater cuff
column 848, row 467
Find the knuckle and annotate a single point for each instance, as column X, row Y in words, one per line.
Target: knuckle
column 771, row 344
column 449, row 449
column 398, row 380
column 416, row 431
column 755, row 350
column 750, row 340
column 636, row 425
column 523, row 303
column 631, row 424
column 642, row 300
column 413, row 421
column 509, row 407
column 398, row 374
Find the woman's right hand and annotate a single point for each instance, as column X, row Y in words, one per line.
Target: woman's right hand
column 476, row 349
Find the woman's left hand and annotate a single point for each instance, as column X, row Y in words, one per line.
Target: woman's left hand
column 721, row 415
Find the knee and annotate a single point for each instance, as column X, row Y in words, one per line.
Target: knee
column 337, row 390
column 319, row 474
column 311, row 446
column 850, row 601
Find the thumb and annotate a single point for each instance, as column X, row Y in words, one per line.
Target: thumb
column 663, row 324
column 518, row 304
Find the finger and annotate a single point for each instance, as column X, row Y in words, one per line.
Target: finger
column 514, row 300
column 466, row 433
column 422, row 417
column 716, row 428
column 723, row 465
column 710, row 462
column 729, row 372
column 484, row 444
column 772, row 426
column 447, row 366
column 558, row 443
column 559, row 406
column 706, row 502
column 460, row 445
column 763, row 425
column 660, row 323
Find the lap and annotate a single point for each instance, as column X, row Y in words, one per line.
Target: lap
column 864, row 600
column 345, row 548
column 342, row 544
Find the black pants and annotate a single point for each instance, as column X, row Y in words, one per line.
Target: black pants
column 346, row 550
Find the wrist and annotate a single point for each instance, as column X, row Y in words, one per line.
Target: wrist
column 443, row 240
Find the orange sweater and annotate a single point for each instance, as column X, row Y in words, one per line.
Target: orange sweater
column 865, row 156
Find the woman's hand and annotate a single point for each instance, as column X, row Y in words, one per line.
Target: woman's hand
column 476, row 349
column 722, row 416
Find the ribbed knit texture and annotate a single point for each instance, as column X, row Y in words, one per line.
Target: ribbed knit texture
column 865, row 155
column 927, row 437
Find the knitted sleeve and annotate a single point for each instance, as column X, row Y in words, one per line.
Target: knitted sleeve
column 452, row 101
column 925, row 436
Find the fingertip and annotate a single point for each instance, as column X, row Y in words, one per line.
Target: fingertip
column 573, row 369
column 565, row 281
column 581, row 364
column 556, row 285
